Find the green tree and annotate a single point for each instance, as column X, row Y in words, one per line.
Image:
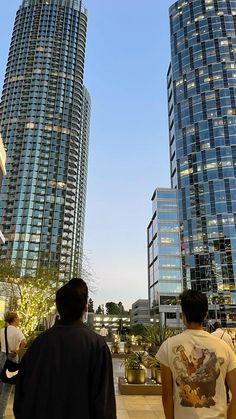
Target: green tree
column 90, row 306
column 99, row 310
column 112, row 308
column 121, row 307
column 32, row 296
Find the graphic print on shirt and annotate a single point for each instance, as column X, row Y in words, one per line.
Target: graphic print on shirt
column 196, row 376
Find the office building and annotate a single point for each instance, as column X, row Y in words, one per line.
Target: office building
column 164, row 258
column 202, row 117
column 140, row 313
column 44, row 122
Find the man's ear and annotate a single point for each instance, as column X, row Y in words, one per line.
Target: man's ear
column 184, row 319
column 85, row 308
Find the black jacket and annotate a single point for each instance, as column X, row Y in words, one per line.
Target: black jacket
column 66, row 374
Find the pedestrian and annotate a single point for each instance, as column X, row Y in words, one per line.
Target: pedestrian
column 194, row 365
column 67, row 371
column 222, row 334
column 103, row 331
column 16, row 342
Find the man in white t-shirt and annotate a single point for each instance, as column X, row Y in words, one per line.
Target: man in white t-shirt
column 222, row 334
column 194, row 365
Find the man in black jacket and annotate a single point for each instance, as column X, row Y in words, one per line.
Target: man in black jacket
column 67, row 371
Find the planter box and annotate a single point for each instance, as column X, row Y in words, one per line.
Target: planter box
column 147, row 389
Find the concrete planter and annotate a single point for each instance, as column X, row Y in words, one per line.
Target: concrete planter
column 148, row 388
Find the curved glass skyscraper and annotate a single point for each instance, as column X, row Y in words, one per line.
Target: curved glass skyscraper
column 44, row 122
column 202, row 124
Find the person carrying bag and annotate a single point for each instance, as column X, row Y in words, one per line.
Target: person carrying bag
column 12, row 342
column 10, row 368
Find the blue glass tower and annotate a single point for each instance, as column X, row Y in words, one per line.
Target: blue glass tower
column 44, row 123
column 202, row 126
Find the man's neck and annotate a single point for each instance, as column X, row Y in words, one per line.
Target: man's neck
column 194, row 326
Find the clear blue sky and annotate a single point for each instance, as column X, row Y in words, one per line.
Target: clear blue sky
column 127, row 58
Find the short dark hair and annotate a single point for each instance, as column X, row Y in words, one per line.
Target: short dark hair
column 71, row 299
column 217, row 325
column 10, row 316
column 194, row 305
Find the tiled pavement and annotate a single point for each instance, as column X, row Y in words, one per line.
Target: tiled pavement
column 128, row 407
column 140, row 407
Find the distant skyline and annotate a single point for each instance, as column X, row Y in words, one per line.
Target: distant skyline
column 127, row 58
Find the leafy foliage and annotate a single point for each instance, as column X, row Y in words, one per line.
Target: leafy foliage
column 152, row 362
column 139, row 330
column 157, row 334
column 32, row 296
column 100, row 310
column 90, row 306
column 135, row 360
column 112, row 308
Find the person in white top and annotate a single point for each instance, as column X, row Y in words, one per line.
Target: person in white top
column 194, row 365
column 222, row 334
column 16, row 342
column 103, row 331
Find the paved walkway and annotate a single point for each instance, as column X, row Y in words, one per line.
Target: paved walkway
column 128, row 407
column 140, row 407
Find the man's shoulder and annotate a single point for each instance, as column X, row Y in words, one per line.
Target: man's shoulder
column 71, row 332
column 176, row 338
column 172, row 341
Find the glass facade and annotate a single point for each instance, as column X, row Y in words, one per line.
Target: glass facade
column 44, row 123
column 164, row 257
column 202, row 126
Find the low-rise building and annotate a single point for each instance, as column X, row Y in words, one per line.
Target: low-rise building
column 140, row 313
column 115, row 324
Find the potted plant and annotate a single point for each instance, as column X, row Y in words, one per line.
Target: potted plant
column 115, row 347
column 156, row 334
column 154, row 365
column 135, row 367
column 128, row 345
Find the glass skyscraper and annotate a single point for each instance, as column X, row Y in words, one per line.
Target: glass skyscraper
column 202, row 126
column 44, row 123
column 164, row 258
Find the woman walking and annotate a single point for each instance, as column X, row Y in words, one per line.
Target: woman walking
column 16, row 342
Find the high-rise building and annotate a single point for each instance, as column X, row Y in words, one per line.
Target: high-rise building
column 164, row 258
column 202, row 116
column 2, row 173
column 44, row 122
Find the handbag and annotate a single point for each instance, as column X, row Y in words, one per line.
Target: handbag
column 10, row 369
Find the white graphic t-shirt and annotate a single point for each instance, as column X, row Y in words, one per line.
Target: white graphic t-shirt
column 199, row 363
